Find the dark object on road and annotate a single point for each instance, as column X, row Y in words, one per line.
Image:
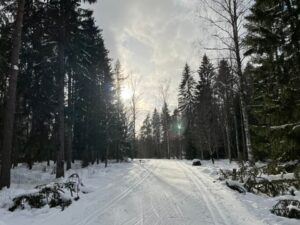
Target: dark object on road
column 196, row 162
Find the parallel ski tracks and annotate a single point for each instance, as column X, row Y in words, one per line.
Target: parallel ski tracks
column 89, row 218
column 214, row 209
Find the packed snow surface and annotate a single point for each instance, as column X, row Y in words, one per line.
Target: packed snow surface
column 147, row 192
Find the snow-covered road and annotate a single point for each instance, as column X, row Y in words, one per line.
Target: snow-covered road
column 165, row 192
column 162, row 192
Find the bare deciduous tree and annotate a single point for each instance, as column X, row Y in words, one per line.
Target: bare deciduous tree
column 228, row 16
column 134, row 102
column 164, row 92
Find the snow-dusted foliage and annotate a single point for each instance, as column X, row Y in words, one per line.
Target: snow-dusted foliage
column 58, row 194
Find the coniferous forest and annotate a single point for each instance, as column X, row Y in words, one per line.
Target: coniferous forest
column 59, row 95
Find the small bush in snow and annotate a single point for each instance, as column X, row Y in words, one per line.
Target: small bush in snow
column 254, row 179
column 54, row 195
column 287, row 208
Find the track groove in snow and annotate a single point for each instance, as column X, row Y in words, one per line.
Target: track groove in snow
column 217, row 215
column 115, row 200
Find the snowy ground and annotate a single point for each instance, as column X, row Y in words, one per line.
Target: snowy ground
column 165, row 192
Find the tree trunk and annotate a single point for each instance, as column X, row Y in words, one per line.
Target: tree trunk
column 10, row 108
column 61, row 96
column 237, row 138
column 236, row 40
column 70, row 124
column 106, row 155
column 227, row 131
column 168, row 144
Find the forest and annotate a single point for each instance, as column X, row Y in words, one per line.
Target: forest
column 247, row 105
column 60, row 95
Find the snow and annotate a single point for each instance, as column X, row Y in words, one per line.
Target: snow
column 284, row 126
column 296, row 127
column 166, row 192
column 196, row 160
column 292, row 207
column 237, row 184
column 15, row 67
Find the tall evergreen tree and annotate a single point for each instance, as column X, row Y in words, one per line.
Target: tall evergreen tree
column 156, row 130
column 121, row 121
column 146, row 139
column 224, row 88
column 165, row 129
column 206, row 115
column 186, row 107
column 273, row 41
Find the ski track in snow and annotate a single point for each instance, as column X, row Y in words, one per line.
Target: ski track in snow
column 156, row 192
column 192, row 177
column 97, row 213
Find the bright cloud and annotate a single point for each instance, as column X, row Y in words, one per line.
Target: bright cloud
column 153, row 39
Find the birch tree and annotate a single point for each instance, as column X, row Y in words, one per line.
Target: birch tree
column 229, row 19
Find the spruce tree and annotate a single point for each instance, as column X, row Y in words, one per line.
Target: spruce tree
column 165, row 129
column 186, row 107
column 206, row 115
column 156, row 130
column 146, row 139
column 224, row 90
column 272, row 41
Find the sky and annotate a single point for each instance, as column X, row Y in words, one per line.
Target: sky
column 153, row 39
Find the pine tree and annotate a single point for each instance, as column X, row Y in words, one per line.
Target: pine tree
column 10, row 108
column 5, row 47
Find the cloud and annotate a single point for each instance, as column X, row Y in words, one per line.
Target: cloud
column 152, row 39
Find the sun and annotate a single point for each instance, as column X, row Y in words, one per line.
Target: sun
column 126, row 93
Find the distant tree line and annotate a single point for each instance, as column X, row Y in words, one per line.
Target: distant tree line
column 59, row 96
column 160, row 135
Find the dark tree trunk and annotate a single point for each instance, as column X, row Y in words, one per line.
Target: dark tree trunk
column 70, row 124
column 106, row 155
column 15, row 152
column 237, row 142
column 9, row 113
column 61, row 96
